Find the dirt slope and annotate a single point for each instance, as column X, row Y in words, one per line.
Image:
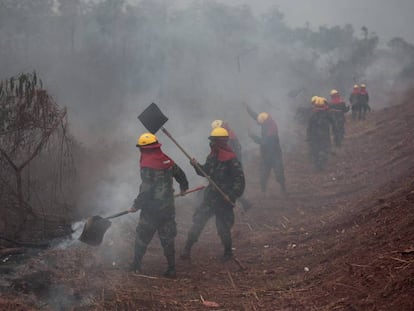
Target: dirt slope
column 342, row 240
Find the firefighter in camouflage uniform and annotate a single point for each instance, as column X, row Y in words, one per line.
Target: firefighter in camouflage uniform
column 235, row 145
column 270, row 150
column 318, row 132
column 364, row 101
column 355, row 103
column 338, row 108
column 226, row 171
column 156, row 201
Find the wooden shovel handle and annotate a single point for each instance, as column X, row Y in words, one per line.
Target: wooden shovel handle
column 225, row 196
column 189, row 191
column 118, row 214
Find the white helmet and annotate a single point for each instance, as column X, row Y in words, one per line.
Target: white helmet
column 216, row 123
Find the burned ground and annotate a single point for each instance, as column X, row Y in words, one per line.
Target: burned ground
column 343, row 239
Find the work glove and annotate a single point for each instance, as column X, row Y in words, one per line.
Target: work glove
column 135, row 206
column 141, row 200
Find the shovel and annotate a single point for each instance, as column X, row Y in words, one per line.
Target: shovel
column 96, row 226
column 153, row 119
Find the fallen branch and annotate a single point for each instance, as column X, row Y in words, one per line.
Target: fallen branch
column 231, row 280
column 12, row 251
column 239, row 264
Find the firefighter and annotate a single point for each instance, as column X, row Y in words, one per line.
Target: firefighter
column 338, row 108
column 270, row 150
column 318, row 132
column 156, row 201
column 354, row 101
column 226, row 171
column 363, row 100
column 235, row 145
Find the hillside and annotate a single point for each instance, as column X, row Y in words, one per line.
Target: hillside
column 342, row 240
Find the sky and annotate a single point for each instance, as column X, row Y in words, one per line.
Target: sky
column 387, row 18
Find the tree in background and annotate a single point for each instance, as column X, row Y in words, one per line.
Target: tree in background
column 35, row 152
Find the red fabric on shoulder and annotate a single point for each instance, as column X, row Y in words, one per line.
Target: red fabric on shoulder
column 221, row 150
column 337, row 99
column 153, row 157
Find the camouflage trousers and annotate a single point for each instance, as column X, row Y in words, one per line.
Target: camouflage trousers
column 319, row 153
column 161, row 221
column 266, row 167
column 359, row 111
column 338, row 127
column 224, row 221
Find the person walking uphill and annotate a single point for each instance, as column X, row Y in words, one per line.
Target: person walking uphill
column 338, row 108
column 226, row 171
column 318, row 135
column 363, row 100
column 354, row 101
column 235, row 145
column 156, row 201
column 270, row 150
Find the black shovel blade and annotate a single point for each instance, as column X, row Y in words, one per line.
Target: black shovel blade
column 152, row 118
column 94, row 230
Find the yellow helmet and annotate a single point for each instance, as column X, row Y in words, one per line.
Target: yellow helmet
column 314, row 99
column 219, row 132
column 216, row 123
column 320, row 101
column 146, row 139
column 261, row 117
column 334, row 92
column 363, row 86
column 356, row 86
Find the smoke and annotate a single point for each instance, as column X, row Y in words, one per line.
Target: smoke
column 198, row 60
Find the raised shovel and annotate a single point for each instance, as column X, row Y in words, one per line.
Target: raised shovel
column 96, row 226
column 153, row 119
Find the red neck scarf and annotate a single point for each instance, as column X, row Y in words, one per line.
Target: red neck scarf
column 363, row 91
column 269, row 127
column 336, row 99
column 232, row 135
column 355, row 91
column 153, row 157
column 221, row 150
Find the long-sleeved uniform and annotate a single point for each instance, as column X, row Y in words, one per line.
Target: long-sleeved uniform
column 363, row 100
column 337, row 109
column 229, row 177
column 355, row 103
column 270, row 152
column 156, row 201
column 318, row 137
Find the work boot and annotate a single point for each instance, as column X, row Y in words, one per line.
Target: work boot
column 186, row 254
column 135, row 267
column 170, row 273
column 228, row 254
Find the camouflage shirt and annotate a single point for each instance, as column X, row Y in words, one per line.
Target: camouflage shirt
column 228, row 175
column 157, row 185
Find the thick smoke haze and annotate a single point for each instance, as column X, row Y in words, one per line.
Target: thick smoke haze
column 199, row 61
column 387, row 18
